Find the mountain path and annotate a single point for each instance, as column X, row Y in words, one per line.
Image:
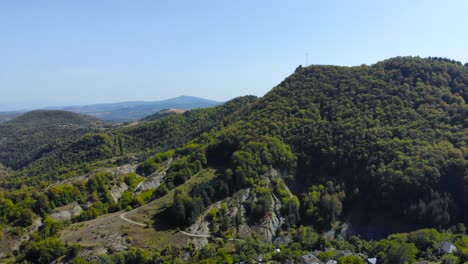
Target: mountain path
column 208, row 236
column 194, row 235
column 122, row 216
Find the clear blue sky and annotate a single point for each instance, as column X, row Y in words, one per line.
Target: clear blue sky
column 80, row 52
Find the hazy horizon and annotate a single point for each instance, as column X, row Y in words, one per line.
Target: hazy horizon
column 43, row 107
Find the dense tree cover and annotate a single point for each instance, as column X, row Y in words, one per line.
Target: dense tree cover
column 63, row 194
column 321, row 205
column 175, row 130
column 388, row 136
column 153, row 163
column 45, row 251
column 392, row 134
column 34, row 134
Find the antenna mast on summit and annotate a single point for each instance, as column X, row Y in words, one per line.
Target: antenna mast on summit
column 307, row 59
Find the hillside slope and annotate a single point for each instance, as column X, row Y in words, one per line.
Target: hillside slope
column 388, row 137
column 33, row 134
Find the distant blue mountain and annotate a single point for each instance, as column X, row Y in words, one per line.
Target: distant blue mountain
column 128, row 111
column 135, row 110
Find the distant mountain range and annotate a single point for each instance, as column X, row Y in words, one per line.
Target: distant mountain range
column 127, row 111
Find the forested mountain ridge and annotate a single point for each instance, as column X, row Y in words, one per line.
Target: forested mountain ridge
column 393, row 133
column 390, row 138
column 33, row 134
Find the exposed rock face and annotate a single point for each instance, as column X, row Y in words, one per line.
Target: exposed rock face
column 152, row 182
column 266, row 229
column 272, row 222
column 117, row 191
column 200, row 227
column 67, row 212
column 243, row 230
column 121, row 170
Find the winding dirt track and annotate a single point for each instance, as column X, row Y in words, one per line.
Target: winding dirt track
column 194, row 235
column 122, row 216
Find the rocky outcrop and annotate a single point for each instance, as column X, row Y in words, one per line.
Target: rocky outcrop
column 154, row 180
column 151, row 182
column 66, row 212
column 121, row 170
column 205, row 227
column 266, row 229
column 117, row 191
column 271, row 223
column 200, row 227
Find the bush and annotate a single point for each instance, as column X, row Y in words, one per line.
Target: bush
column 45, row 251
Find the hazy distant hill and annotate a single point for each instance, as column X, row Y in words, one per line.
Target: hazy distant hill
column 7, row 116
column 135, row 110
column 35, row 133
column 163, row 113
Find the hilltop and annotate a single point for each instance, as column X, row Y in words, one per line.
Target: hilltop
column 163, row 113
column 29, row 136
